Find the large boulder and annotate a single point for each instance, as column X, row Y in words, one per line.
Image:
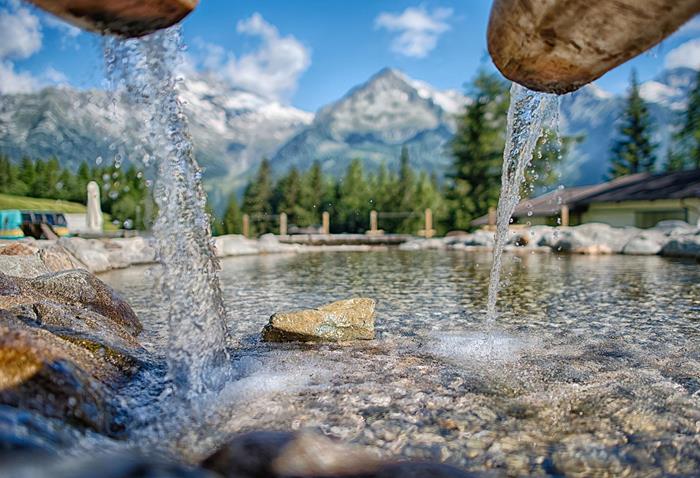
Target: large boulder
column 104, row 465
column 234, row 245
column 65, row 340
column 269, row 454
column 683, row 246
column 90, row 252
column 77, row 288
column 27, row 260
column 646, row 243
column 591, row 238
column 125, row 252
column 55, row 378
column 279, row 454
column 351, row 319
column 100, row 255
column 25, row 433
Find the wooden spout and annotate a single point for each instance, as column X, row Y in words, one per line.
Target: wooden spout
column 128, row 18
column 558, row 46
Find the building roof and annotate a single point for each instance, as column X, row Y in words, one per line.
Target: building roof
column 635, row 187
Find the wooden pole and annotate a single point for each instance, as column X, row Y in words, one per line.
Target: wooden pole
column 429, row 231
column 246, row 225
column 565, row 215
column 373, row 222
column 326, row 218
column 492, row 216
column 283, row 224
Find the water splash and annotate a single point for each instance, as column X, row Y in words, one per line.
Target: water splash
column 144, row 71
column 529, row 114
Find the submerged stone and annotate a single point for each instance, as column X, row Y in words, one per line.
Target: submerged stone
column 282, row 454
column 105, row 465
column 66, row 339
column 76, row 288
column 687, row 245
column 351, row 319
column 55, row 378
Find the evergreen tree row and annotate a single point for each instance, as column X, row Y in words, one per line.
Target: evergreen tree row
column 124, row 192
column 634, row 149
column 400, row 197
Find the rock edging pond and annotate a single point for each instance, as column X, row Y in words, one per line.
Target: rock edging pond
column 667, row 239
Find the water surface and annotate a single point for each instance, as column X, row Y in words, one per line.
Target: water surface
column 595, row 366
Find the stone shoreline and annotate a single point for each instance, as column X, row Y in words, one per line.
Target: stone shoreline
column 102, row 255
column 667, row 239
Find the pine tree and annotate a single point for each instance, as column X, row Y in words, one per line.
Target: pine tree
column 27, row 174
column 477, row 150
column 257, row 199
column 353, row 204
column 633, row 151
column 7, row 175
column 675, row 161
column 688, row 138
column 288, row 197
column 232, row 222
column 314, row 195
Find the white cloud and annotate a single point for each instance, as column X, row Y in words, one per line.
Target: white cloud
column 12, row 81
column 418, row 30
column 272, row 69
column 53, row 76
column 686, row 55
column 20, row 38
column 21, row 33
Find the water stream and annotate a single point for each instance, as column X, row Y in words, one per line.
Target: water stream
column 529, row 115
column 143, row 71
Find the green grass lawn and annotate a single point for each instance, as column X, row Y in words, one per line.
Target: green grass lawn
column 50, row 205
column 35, row 204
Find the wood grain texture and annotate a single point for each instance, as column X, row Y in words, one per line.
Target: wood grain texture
column 128, row 18
column 558, row 46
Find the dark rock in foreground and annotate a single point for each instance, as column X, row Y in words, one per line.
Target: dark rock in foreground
column 267, row 454
column 351, row 319
column 66, row 340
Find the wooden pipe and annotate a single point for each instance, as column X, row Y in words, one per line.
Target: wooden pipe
column 557, row 46
column 128, row 18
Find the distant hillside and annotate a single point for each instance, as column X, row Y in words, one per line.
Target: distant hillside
column 234, row 129
column 35, row 204
column 373, row 121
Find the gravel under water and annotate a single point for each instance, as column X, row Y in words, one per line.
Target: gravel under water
column 594, row 368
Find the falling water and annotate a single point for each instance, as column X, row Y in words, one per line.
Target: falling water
column 530, row 113
column 192, row 304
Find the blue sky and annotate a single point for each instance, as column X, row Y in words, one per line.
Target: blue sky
column 302, row 52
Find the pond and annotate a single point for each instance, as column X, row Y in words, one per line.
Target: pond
column 593, row 368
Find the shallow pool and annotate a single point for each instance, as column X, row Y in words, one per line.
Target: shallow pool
column 593, row 369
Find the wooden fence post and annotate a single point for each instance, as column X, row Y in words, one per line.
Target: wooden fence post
column 283, row 224
column 564, row 215
column 326, row 218
column 429, row 231
column 492, row 216
column 373, row 229
column 246, row 225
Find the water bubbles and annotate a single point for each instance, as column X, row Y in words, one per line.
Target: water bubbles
column 529, row 114
column 144, row 70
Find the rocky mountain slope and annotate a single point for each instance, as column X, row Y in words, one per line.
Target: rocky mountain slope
column 234, row 129
column 373, row 121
